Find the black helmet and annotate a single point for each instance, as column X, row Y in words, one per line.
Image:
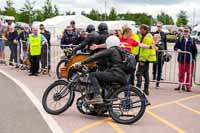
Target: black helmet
column 103, row 27
column 167, row 57
column 90, row 28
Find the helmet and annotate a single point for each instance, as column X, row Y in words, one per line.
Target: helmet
column 167, row 57
column 112, row 41
column 102, row 27
column 90, row 28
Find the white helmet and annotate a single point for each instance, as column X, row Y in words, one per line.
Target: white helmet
column 112, row 41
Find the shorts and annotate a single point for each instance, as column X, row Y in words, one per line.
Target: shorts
column 2, row 45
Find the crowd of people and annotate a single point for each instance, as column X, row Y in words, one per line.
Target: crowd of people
column 147, row 48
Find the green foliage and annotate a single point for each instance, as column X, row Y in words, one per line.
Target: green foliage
column 70, row 13
column 28, row 14
column 182, row 18
column 113, row 14
column 9, row 9
column 94, row 15
column 165, row 19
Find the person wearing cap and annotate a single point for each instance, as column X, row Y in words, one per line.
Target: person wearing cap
column 69, row 37
column 145, row 57
column 23, row 36
column 115, row 73
column 161, row 43
column 46, row 50
column 186, row 62
column 34, row 43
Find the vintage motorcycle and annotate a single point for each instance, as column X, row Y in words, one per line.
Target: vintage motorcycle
column 125, row 104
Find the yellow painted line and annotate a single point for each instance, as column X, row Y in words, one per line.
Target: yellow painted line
column 115, row 127
column 169, row 124
column 87, row 127
column 173, row 102
column 188, row 108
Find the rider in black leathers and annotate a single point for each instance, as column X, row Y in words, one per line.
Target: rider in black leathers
column 95, row 42
column 89, row 40
column 114, row 73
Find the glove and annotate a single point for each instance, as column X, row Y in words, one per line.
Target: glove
column 77, row 65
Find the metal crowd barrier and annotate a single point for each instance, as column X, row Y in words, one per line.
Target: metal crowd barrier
column 170, row 70
column 21, row 59
column 197, row 70
column 57, row 54
column 54, row 54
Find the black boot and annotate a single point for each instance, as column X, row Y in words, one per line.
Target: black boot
column 146, row 91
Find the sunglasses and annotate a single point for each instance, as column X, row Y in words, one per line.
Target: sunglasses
column 159, row 26
column 73, row 23
column 186, row 31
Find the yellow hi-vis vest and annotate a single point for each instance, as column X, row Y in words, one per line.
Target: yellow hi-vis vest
column 135, row 50
column 147, row 54
column 35, row 44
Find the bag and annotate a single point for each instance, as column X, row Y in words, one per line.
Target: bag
column 128, row 60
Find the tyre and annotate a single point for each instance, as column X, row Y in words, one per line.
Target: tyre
column 58, row 97
column 127, row 110
column 61, row 64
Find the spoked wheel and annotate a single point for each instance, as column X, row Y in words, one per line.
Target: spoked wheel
column 60, row 65
column 58, row 97
column 127, row 107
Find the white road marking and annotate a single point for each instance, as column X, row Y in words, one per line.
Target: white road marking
column 53, row 125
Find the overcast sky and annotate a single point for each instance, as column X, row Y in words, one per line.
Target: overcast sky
column 153, row 7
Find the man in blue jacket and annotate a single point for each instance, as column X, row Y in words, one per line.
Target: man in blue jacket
column 186, row 62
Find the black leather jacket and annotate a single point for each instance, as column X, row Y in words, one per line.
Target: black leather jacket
column 114, row 59
column 89, row 40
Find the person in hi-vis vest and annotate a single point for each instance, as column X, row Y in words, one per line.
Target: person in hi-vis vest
column 145, row 57
column 34, row 43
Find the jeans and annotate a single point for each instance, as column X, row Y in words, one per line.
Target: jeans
column 2, row 45
column 13, row 52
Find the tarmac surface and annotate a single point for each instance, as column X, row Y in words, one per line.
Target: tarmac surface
column 170, row 112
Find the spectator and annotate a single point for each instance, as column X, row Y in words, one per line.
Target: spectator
column 23, row 36
column 162, row 45
column 46, row 50
column 35, row 42
column 2, row 42
column 13, row 45
column 73, row 25
column 186, row 44
column 146, row 56
column 69, row 37
column 81, row 37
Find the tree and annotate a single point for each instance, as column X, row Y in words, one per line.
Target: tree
column 94, row 15
column 165, row 19
column 70, row 13
column 9, row 10
column 27, row 13
column 182, row 18
column 56, row 11
column 48, row 9
column 113, row 14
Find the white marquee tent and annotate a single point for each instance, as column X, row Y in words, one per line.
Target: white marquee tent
column 57, row 24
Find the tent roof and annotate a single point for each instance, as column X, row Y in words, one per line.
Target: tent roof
column 81, row 21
